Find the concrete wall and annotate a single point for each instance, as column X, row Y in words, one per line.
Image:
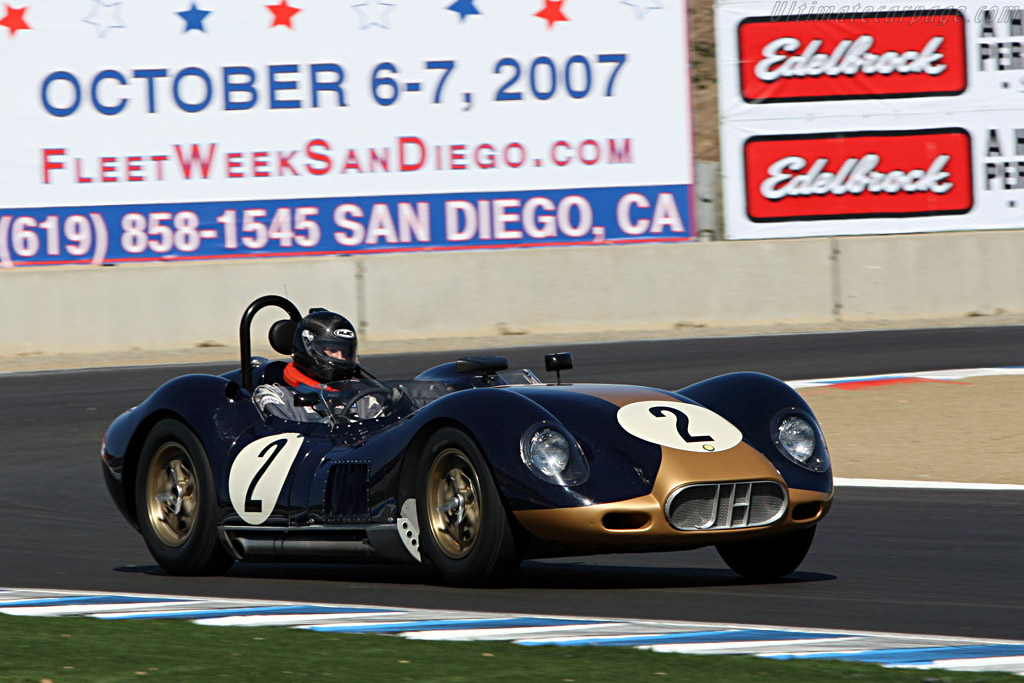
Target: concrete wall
column 978, row 273
column 542, row 290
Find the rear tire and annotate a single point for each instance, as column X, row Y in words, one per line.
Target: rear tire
column 768, row 558
column 464, row 530
column 176, row 499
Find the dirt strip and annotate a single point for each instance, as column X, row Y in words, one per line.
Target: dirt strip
column 965, row 431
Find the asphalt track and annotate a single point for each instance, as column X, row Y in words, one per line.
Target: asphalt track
column 940, row 562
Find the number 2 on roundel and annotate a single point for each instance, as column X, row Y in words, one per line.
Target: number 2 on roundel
column 258, row 474
column 682, row 423
column 679, row 425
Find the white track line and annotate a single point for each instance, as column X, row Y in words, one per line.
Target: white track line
column 503, row 633
column 980, row 664
column 89, row 609
column 940, row 375
column 745, row 646
column 311, row 619
column 916, row 484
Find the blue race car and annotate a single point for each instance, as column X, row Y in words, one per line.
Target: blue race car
column 467, row 467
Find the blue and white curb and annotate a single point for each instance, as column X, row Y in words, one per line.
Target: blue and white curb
column 774, row 642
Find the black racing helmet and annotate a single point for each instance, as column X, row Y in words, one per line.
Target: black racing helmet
column 325, row 346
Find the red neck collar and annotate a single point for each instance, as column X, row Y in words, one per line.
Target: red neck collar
column 295, row 377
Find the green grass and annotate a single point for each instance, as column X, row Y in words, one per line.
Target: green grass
column 86, row 649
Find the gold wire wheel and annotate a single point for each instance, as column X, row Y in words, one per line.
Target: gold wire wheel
column 172, row 494
column 453, row 503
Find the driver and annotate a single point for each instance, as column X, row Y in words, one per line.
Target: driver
column 324, row 359
column 323, row 350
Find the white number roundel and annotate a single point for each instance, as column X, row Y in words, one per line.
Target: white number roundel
column 679, row 425
column 258, row 473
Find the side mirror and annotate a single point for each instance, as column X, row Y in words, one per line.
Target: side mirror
column 556, row 362
column 553, row 362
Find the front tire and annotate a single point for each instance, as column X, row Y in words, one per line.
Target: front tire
column 176, row 499
column 464, row 529
column 768, row 558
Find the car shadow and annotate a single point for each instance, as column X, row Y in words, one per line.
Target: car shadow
column 533, row 574
column 587, row 576
column 298, row 571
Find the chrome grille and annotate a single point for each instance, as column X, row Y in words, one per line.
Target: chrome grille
column 735, row 505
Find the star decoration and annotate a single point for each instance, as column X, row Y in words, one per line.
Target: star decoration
column 373, row 13
column 552, row 12
column 642, row 7
column 194, row 18
column 105, row 16
column 464, row 8
column 283, row 14
column 14, row 20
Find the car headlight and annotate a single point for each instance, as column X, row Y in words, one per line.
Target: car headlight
column 796, row 435
column 553, row 455
column 548, row 452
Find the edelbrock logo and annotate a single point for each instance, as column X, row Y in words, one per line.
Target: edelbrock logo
column 848, row 58
column 855, row 176
column 858, row 175
column 851, row 56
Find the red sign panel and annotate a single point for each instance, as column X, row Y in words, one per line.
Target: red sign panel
column 858, row 175
column 851, row 56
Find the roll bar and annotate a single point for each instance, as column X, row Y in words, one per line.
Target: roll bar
column 245, row 343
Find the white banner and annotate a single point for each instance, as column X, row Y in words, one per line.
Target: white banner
column 309, row 114
column 852, row 119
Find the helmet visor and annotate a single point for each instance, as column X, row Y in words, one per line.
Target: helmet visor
column 335, row 349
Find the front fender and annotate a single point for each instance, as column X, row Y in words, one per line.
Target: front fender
column 751, row 401
column 621, row 466
column 496, row 419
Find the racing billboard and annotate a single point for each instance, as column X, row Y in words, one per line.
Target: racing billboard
column 853, row 119
column 191, row 129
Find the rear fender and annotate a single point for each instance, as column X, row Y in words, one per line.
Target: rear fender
column 215, row 408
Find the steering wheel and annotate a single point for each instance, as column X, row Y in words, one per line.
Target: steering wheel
column 382, row 391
